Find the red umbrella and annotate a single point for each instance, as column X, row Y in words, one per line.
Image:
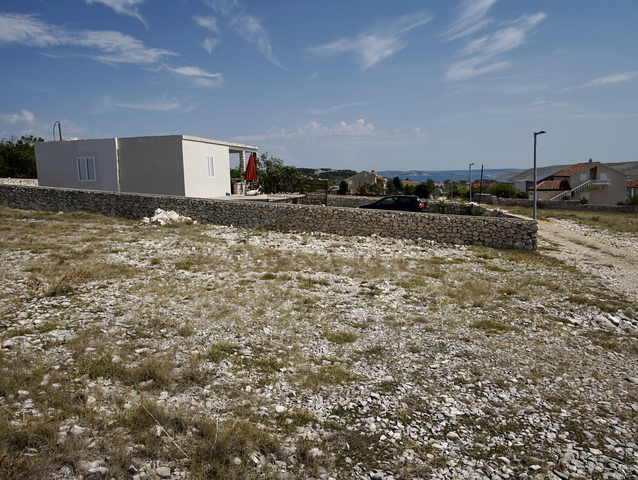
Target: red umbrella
column 251, row 169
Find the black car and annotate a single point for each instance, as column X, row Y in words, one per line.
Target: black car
column 405, row 203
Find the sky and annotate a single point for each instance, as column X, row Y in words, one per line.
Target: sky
column 357, row 84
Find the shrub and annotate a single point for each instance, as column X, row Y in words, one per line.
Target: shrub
column 584, row 201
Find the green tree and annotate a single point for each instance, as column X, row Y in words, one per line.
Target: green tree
column 398, row 184
column 343, row 188
column 17, row 157
column 425, row 189
column 275, row 177
column 409, row 189
column 505, row 190
column 363, row 189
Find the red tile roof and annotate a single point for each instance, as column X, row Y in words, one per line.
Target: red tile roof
column 568, row 172
column 553, row 185
column 632, row 183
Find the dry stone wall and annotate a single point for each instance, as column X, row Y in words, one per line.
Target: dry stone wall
column 565, row 205
column 508, row 232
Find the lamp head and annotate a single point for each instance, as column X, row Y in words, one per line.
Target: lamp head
column 540, row 133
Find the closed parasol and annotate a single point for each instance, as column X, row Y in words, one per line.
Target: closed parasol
column 251, row 169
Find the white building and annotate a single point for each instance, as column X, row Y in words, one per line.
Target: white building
column 179, row 165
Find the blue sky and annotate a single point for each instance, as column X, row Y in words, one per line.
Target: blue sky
column 360, row 84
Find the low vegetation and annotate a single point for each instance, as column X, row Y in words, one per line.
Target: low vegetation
column 216, row 352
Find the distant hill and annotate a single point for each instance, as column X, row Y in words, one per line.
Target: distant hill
column 326, row 173
column 443, row 175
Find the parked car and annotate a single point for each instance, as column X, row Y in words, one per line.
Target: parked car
column 405, row 203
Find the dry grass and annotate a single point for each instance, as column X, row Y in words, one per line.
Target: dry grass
column 202, row 318
column 616, row 222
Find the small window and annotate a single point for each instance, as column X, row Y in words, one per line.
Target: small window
column 86, row 169
column 583, row 177
column 210, row 167
column 603, row 176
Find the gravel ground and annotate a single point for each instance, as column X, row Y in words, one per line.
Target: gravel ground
column 363, row 358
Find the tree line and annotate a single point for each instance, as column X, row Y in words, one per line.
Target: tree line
column 17, row 157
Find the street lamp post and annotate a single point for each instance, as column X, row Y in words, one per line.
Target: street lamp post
column 535, row 193
column 470, row 181
column 451, row 185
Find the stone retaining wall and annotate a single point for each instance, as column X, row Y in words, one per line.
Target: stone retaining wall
column 565, row 205
column 431, row 206
column 512, row 232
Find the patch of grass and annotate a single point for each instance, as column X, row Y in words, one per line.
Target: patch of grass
column 492, row 326
column 68, row 282
column 217, row 446
column 341, row 337
column 221, row 350
column 102, row 366
column 326, row 375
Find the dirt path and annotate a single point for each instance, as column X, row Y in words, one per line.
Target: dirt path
column 611, row 257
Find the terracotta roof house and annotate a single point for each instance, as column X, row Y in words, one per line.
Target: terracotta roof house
column 632, row 188
column 600, row 184
column 180, row 165
column 371, row 178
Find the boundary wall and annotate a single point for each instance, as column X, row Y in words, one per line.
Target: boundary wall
column 565, row 205
column 501, row 232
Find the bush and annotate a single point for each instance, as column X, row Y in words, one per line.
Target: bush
column 506, row 190
column 584, row 201
column 632, row 201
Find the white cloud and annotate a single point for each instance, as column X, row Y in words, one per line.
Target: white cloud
column 619, row 77
column 377, row 44
column 210, row 43
column 200, row 77
column 22, row 117
column 122, row 7
column 314, row 130
column 337, row 107
column 245, row 25
column 116, row 47
column 161, row 105
column 471, row 18
column 207, row 22
column 483, row 52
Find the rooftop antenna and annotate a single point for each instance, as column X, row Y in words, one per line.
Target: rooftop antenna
column 57, row 122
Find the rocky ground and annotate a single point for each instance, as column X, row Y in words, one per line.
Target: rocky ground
column 198, row 351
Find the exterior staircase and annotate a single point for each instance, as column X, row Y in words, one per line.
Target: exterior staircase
column 581, row 188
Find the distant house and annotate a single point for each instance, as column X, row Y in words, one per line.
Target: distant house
column 371, row 178
column 600, row 184
column 165, row 165
column 632, row 188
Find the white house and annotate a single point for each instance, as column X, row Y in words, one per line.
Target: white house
column 180, row 165
column 371, row 178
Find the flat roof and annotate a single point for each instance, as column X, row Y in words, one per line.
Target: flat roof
column 233, row 147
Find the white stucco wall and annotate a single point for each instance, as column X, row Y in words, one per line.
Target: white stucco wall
column 196, row 184
column 58, row 166
column 151, row 165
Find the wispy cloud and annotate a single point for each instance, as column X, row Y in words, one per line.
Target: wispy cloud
column 337, row 107
column 161, row 105
column 471, row 18
column 313, row 130
column 122, row 7
column 22, row 117
column 207, row 22
column 245, row 25
column 210, row 43
column 378, row 43
column 115, row 47
column 616, row 78
column 485, row 53
column 200, row 77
